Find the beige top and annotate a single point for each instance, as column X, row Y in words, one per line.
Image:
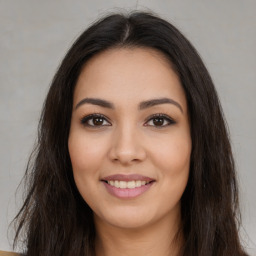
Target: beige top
column 2, row 253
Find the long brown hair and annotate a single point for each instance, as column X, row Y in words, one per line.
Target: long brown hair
column 54, row 217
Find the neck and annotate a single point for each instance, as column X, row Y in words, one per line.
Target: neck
column 161, row 239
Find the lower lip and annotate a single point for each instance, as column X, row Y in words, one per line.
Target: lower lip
column 127, row 192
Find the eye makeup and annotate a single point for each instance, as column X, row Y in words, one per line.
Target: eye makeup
column 159, row 119
column 97, row 120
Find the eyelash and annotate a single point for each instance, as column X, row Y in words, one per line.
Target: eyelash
column 84, row 120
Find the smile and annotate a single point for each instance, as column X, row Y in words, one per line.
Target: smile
column 127, row 186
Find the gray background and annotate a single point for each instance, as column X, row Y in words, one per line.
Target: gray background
column 36, row 34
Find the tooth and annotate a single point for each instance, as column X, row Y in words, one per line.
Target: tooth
column 123, row 184
column 131, row 184
column 116, row 184
column 138, row 183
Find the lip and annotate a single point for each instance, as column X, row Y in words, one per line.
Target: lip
column 127, row 193
column 129, row 177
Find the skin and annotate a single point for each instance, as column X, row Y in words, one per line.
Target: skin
column 130, row 142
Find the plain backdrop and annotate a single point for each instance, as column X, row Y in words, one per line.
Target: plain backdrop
column 35, row 35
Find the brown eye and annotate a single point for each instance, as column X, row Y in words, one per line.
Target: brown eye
column 95, row 120
column 160, row 120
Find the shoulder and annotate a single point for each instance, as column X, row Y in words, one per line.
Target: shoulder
column 2, row 253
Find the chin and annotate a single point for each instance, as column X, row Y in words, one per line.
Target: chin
column 127, row 218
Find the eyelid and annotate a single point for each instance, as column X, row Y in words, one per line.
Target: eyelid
column 161, row 115
column 84, row 119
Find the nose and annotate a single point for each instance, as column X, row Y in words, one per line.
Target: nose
column 127, row 146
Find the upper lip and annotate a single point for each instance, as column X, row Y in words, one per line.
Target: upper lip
column 129, row 177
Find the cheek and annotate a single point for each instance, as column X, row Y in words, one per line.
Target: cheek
column 173, row 156
column 174, row 162
column 85, row 153
column 86, row 156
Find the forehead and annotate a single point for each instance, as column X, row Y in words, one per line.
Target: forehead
column 129, row 75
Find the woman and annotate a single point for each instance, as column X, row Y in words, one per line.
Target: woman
column 133, row 156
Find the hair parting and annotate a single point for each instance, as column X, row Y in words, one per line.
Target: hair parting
column 54, row 217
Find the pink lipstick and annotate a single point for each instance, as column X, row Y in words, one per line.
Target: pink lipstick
column 127, row 186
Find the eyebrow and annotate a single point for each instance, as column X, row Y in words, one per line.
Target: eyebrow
column 142, row 105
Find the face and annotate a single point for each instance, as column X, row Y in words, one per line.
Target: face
column 129, row 140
